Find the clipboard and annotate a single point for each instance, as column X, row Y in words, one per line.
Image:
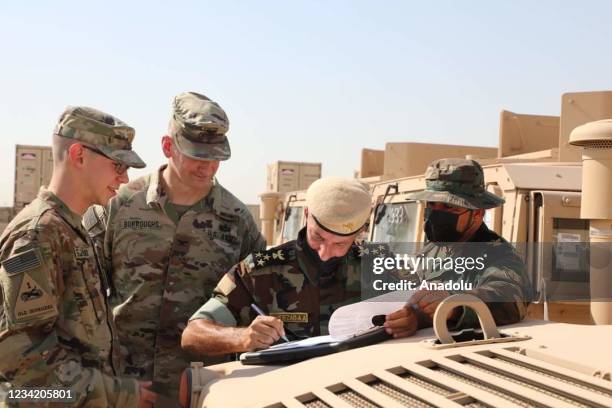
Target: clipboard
column 292, row 352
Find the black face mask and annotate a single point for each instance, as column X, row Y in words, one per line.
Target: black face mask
column 324, row 267
column 441, row 226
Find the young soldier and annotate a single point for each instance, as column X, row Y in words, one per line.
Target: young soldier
column 55, row 328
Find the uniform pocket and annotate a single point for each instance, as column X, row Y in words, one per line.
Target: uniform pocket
column 93, row 289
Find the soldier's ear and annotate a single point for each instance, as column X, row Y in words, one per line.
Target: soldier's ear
column 167, row 146
column 76, row 155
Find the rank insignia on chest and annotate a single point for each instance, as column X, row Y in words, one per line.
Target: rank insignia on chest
column 82, row 252
column 288, row 317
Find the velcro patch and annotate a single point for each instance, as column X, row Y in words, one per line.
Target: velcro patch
column 287, row 317
column 82, row 253
column 22, row 262
column 32, row 301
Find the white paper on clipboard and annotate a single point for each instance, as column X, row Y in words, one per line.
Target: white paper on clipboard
column 353, row 319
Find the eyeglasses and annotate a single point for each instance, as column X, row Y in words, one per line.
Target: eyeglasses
column 120, row 168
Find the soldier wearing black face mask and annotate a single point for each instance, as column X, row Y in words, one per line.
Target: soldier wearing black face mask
column 456, row 201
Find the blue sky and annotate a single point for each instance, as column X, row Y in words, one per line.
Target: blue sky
column 300, row 80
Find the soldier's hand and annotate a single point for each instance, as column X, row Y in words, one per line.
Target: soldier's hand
column 428, row 301
column 401, row 323
column 147, row 397
column 262, row 332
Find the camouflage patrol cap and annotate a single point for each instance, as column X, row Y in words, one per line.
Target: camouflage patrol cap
column 198, row 126
column 457, row 182
column 339, row 205
column 108, row 134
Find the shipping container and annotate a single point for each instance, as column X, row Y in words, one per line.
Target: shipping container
column 291, row 176
column 33, row 167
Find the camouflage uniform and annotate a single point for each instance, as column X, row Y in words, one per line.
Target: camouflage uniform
column 55, row 326
column 164, row 265
column 163, row 269
column 285, row 282
column 502, row 283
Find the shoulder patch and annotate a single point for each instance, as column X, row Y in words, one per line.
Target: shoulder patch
column 23, row 262
column 273, row 256
column 32, row 300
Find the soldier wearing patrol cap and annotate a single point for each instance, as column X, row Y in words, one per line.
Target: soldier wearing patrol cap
column 298, row 283
column 55, row 328
column 169, row 238
column 456, row 200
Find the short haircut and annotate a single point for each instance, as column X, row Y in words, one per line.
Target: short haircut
column 60, row 148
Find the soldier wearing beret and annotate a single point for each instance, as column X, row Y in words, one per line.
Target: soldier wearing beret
column 55, row 326
column 456, row 200
column 169, row 238
column 299, row 283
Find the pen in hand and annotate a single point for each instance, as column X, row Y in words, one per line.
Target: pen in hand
column 261, row 313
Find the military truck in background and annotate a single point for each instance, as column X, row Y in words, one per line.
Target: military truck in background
column 555, row 174
column 535, row 169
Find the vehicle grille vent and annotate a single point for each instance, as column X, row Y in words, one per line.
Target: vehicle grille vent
column 317, row 403
column 483, row 379
column 512, row 378
column 312, row 401
column 355, row 400
column 425, row 383
column 478, row 384
column 595, row 144
column 397, row 394
column 552, row 375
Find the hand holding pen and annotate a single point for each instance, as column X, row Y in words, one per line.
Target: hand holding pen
column 261, row 333
column 261, row 313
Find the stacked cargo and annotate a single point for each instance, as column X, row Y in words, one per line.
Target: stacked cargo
column 33, row 168
column 291, row 176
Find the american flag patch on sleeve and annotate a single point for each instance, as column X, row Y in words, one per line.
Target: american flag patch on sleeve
column 22, row 262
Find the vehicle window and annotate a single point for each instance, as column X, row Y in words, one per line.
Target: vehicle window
column 570, row 250
column 396, row 223
column 294, row 218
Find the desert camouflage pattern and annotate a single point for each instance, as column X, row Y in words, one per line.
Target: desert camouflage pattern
column 110, row 135
column 502, row 284
column 164, row 267
column 457, row 182
column 55, row 327
column 284, row 282
column 198, row 125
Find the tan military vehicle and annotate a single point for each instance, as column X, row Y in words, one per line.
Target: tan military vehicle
column 555, row 174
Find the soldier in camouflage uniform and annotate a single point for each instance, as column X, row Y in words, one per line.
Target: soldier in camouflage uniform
column 456, row 200
column 170, row 236
column 299, row 283
column 55, row 327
